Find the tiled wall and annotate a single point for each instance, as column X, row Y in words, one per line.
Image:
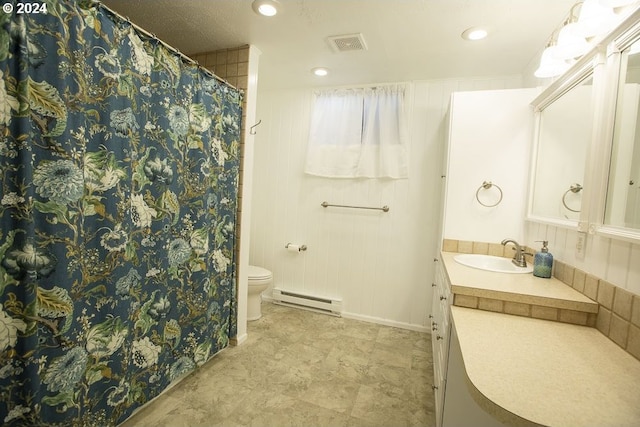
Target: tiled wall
column 527, row 310
column 467, row 247
column 618, row 309
column 231, row 65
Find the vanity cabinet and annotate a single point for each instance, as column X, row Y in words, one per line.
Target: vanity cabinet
column 460, row 408
column 501, row 369
column 440, row 335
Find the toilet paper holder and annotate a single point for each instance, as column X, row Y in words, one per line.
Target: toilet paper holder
column 301, row 248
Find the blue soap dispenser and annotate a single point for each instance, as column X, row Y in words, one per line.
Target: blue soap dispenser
column 543, row 262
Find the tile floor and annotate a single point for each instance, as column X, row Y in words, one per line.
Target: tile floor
column 299, row 368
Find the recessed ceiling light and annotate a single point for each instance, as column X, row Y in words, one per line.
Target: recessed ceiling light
column 320, row 71
column 265, row 7
column 474, row 33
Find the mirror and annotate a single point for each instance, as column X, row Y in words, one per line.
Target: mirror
column 564, row 135
column 622, row 207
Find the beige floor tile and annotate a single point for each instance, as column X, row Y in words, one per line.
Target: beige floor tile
column 381, row 405
column 352, row 367
column 153, row 414
column 299, row 368
column 298, row 413
column 389, row 355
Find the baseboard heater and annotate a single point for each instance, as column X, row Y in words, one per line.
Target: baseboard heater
column 332, row 306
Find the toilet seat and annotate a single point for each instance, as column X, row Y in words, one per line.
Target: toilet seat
column 258, row 275
column 259, row 280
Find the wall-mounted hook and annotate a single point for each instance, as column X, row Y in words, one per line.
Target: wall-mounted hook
column 252, row 129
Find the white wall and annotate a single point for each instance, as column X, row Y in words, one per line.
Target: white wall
column 246, row 191
column 490, row 140
column 380, row 264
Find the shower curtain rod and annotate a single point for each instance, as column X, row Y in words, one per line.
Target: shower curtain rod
column 171, row 48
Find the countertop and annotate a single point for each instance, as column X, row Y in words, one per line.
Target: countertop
column 523, row 288
column 528, row 371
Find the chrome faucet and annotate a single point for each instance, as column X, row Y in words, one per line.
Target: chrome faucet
column 518, row 258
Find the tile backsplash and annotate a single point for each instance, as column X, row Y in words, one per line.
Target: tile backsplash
column 618, row 309
column 526, row 310
column 618, row 315
column 484, row 248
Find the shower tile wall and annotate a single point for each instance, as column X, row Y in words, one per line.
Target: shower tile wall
column 380, row 264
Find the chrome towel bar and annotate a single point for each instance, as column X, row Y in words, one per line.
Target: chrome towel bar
column 385, row 208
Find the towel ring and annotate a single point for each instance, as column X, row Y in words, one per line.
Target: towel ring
column 487, row 185
column 575, row 188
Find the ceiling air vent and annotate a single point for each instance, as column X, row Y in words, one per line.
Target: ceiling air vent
column 347, row 42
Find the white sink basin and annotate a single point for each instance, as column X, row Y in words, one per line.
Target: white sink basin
column 491, row 263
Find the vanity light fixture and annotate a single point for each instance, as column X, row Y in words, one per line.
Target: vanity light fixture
column 474, row 33
column 265, row 7
column 595, row 19
column 320, row 71
column 550, row 64
column 617, row 3
column 574, row 38
column 570, row 44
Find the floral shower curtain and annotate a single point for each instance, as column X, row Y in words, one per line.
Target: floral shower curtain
column 118, row 168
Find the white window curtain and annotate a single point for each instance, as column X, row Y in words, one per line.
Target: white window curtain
column 358, row 133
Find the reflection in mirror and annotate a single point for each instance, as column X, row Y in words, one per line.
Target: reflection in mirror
column 564, row 135
column 623, row 193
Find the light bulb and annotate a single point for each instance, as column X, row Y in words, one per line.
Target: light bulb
column 265, row 7
column 570, row 45
column 474, row 33
column 320, row 71
column 267, row 10
column 616, row 3
column 595, row 19
column 550, row 66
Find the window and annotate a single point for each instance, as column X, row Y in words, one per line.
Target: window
column 358, row 132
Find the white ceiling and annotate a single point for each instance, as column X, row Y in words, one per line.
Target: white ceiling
column 406, row 39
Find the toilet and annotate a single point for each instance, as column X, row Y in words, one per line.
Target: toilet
column 259, row 280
